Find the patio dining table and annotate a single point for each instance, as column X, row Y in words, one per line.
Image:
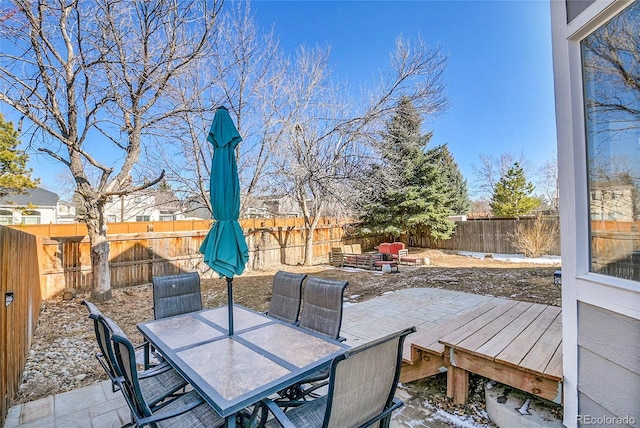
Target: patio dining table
column 232, row 372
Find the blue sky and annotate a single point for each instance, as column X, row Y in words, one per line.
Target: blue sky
column 499, row 73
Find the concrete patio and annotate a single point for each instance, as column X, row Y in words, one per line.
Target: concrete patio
column 97, row 406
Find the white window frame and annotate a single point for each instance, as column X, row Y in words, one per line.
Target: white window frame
column 578, row 283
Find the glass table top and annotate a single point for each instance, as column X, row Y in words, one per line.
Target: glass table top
column 263, row 356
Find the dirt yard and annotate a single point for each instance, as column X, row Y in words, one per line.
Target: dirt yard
column 61, row 356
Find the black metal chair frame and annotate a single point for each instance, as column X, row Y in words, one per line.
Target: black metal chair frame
column 160, row 376
column 105, row 356
column 390, row 404
column 144, row 413
column 322, row 310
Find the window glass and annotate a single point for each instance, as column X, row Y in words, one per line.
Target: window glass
column 611, row 67
column 31, row 217
column 167, row 216
column 6, row 217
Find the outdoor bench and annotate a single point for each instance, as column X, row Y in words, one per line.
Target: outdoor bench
column 361, row 261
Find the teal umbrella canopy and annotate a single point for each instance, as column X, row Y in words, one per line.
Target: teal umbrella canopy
column 224, row 248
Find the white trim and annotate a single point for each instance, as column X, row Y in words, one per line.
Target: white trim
column 578, row 284
column 614, row 294
column 566, row 178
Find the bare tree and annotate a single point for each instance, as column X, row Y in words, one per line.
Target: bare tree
column 324, row 137
column 612, row 58
column 239, row 77
column 94, row 80
column 549, row 184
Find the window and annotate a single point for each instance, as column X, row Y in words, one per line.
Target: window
column 611, row 73
column 31, row 217
column 6, row 217
column 167, row 216
column 143, row 218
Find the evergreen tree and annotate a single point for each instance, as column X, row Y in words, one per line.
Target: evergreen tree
column 14, row 175
column 512, row 195
column 458, row 199
column 419, row 189
column 403, row 143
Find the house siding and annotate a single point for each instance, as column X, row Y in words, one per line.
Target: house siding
column 588, row 407
column 608, row 364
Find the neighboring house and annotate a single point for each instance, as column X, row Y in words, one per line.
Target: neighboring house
column 595, row 54
column 610, row 201
column 66, row 213
column 37, row 206
column 284, row 206
column 150, row 205
column 271, row 206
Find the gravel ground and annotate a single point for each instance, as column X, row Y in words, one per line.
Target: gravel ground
column 61, row 355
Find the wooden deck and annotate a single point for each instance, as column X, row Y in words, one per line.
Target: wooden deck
column 515, row 343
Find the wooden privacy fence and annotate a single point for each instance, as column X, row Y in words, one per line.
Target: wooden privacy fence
column 483, row 236
column 20, row 256
column 139, row 251
column 615, row 248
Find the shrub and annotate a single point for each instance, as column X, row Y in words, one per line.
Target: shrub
column 537, row 239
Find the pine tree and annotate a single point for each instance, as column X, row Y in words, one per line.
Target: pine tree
column 512, row 194
column 419, row 189
column 458, row 196
column 14, row 176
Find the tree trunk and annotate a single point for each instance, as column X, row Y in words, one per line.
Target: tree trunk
column 308, row 245
column 101, row 276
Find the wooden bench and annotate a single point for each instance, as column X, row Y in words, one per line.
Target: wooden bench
column 352, row 256
column 406, row 260
column 361, row 261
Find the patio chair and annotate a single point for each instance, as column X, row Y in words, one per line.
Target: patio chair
column 322, row 306
column 321, row 313
column 361, row 390
column 286, row 296
column 157, row 383
column 176, row 294
column 104, row 357
column 187, row 410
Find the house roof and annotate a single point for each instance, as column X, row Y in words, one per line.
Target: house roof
column 37, row 197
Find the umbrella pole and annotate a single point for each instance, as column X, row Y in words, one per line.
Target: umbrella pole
column 230, row 303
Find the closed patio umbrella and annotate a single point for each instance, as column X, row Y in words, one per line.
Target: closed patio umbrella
column 224, row 248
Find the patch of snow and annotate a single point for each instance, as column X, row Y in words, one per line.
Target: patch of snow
column 514, row 258
column 460, row 421
column 437, row 414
